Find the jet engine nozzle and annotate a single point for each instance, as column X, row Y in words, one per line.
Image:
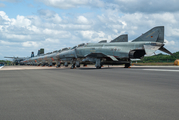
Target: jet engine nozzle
column 136, row 54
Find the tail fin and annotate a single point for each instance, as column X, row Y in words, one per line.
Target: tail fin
column 41, row 51
column 121, row 38
column 32, row 54
column 38, row 53
column 156, row 34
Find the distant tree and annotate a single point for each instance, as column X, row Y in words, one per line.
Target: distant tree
column 160, row 58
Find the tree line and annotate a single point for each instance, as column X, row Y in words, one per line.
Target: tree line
column 160, row 58
column 5, row 62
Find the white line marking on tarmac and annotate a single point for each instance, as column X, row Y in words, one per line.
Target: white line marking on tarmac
column 1, row 67
column 162, row 70
column 158, row 66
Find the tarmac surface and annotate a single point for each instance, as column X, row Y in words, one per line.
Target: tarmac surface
column 114, row 93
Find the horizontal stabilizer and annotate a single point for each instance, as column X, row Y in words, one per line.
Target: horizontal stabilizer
column 121, row 38
column 165, row 50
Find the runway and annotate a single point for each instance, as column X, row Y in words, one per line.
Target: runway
column 46, row 93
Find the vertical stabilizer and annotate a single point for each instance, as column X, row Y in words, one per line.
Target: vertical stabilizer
column 121, row 38
column 38, row 53
column 156, row 34
column 32, row 54
column 42, row 51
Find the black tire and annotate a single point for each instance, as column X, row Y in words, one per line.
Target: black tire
column 127, row 65
column 58, row 66
column 98, row 67
column 73, row 66
column 78, row 66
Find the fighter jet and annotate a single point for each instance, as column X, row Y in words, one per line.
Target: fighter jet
column 71, row 55
column 16, row 60
column 122, row 52
column 118, row 51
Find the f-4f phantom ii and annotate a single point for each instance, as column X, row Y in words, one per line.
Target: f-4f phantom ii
column 16, row 60
column 118, row 51
column 19, row 60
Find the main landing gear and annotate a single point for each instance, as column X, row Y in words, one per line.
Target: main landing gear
column 98, row 64
column 73, row 66
column 58, row 65
column 127, row 65
column 66, row 64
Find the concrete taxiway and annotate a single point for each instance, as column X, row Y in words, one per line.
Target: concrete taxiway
column 46, row 93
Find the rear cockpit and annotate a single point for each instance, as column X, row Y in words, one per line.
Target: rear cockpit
column 73, row 47
column 81, row 45
column 64, row 49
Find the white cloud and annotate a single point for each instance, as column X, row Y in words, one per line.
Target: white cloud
column 7, row 43
column 169, row 42
column 34, row 29
column 4, row 16
column 15, row 36
column 50, row 16
column 20, row 21
column 93, row 36
column 71, row 26
column 57, row 33
column 49, row 40
column 172, row 31
column 143, row 6
column 2, row 5
column 13, row 1
column 82, row 19
column 57, row 18
column 30, row 44
column 66, row 4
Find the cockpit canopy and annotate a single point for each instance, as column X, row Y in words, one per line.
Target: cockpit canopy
column 65, row 49
column 55, row 51
column 73, row 47
column 80, row 45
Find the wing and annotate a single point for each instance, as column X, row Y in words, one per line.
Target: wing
column 100, row 55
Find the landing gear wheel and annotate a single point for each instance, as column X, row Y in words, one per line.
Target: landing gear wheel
column 73, row 66
column 127, row 65
column 98, row 67
column 58, row 66
column 78, row 66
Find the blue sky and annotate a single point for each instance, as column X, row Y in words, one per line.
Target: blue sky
column 28, row 25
